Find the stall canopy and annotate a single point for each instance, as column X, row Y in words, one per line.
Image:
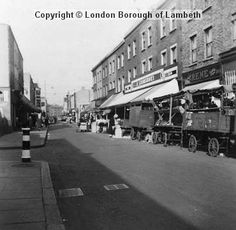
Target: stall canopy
column 158, row 91
column 203, row 85
column 109, row 100
column 122, row 99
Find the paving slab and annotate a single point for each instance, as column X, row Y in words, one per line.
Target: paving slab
column 22, row 216
column 27, row 199
column 17, row 204
column 25, row 226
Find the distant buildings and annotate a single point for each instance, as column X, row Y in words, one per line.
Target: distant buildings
column 76, row 102
column 55, row 110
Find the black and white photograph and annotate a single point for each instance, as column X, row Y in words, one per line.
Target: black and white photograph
column 117, row 115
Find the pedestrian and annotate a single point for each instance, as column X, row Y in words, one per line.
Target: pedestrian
column 46, row 121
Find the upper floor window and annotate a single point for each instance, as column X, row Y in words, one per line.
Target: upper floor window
column 193, row 47
column 143, row 41
column 129, row 76
column 149, row 63
column 173, row 21
column 106, row 89
column 113, row 66
column 129, row 51
column 149, row 36
column 119, row 85
column 122, row 60
column 134, row 72
column 106, row 73
column 110, row 68
column 163, row 27
column 163, row 58
column 123, row 83
column 208, row 42
column 134, row 48
column 118, row 62
column 143, row 66
column 103, row 73
column 173, row 54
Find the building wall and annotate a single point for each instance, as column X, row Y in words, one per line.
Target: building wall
column 105, row 82
column 120, row 72
column 4, row 56
column 112, row 72
column 97, row 75
column 173, row 37
column 218, row 15
column 212, row 16
column 229, row 15
column 37, row 91
column 55, row 110
column 152, row 50
column 11, row 76
column 16, row 65
column 29, row 90
column 141, row 54
column 83, row 96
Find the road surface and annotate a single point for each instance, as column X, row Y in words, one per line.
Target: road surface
column 155, row 188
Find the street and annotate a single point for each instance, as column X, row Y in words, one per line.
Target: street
column 168, row 188
column 154, row 187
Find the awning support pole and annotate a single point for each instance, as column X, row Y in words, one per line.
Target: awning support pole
column 170, row 115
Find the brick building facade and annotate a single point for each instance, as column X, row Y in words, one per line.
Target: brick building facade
column 205, row 39
column 155, row 51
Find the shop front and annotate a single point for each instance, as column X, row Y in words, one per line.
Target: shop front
column 203, row 78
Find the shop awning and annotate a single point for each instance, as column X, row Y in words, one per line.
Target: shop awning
column 204, row 85
column 122, row 99
column 106, row 103
column 90, row 107
column 28, row 105
column 159, row 91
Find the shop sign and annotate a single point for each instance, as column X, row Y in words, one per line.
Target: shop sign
column 147, row 80
column 207, row 73
column 170, row 73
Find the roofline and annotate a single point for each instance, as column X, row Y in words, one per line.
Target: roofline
column 127, row 34
column 10, row 30
column 108, row 55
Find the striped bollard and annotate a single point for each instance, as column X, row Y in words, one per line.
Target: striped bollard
column 25, row 157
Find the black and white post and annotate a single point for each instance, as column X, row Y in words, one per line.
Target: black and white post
column 25, row 157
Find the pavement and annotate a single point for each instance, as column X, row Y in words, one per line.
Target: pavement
column 13, row 140
column 27, row 199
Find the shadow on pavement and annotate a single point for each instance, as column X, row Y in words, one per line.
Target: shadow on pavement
column 58, row 126
column 98, row 208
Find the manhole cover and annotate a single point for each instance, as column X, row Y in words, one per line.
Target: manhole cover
column 115, row 187
column 71, row 192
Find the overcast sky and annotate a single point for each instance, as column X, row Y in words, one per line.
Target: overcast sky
column 60, row 54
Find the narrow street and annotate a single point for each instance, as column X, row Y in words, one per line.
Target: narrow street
column 162, row 188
